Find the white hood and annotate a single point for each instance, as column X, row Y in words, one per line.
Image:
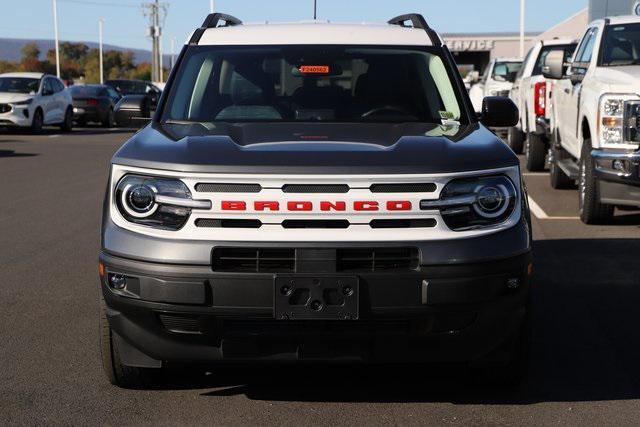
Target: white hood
column 8, row 97
column 624, row 79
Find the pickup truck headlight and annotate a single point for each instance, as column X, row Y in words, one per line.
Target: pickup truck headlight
column 618, row 120
column 473, row 203
column 156, row 202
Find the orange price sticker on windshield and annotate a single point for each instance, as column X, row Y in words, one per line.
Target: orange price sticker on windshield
column 314, row 69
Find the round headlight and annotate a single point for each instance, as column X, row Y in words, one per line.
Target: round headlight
column 491, row 201
column 138, row 200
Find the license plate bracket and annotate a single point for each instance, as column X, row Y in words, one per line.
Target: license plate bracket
column 317, row 297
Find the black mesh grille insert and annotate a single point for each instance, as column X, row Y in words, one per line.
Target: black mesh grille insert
column 403, row 223
column 427, row 187
column 211, row 187
column 254, row 260
column 228, row 223
column 180, row 324
column 315, row 223
column 378, row 259
column 310, row 188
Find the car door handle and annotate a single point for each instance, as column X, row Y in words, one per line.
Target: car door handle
column 567, row 90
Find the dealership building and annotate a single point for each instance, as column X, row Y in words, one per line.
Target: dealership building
column 474, row 51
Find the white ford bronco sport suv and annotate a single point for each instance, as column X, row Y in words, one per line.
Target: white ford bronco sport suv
column 597, row 118
column 531, row 94
column 32, row 100
column 315, row 192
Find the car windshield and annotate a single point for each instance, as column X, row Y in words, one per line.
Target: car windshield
column 85, row 91
column 19, row 84
column 621, row 45
column 311, row 84
column 506, row 71
column 128, row 87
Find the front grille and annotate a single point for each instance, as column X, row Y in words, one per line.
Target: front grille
column 378, row 259
column 310, row 188
column 212, row 187
column 233, row 327
column 427, row 187
column 228, row 223
column 180, row 324
column 315, row 223
column 5, row 108
column 254, row 260
column 403, row 223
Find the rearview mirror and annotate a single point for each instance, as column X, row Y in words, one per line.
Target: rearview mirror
column 499, row 112
column 554, row 65
column 133, row 111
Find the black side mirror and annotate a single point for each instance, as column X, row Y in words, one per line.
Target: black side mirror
column 133, row 111
column 553, row 67
column 499, row 112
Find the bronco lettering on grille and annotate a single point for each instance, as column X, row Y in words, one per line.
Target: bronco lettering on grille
column 325, row 206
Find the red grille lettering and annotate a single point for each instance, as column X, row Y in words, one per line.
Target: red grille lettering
column 234, row 206
column 262, row 206
column 299, row 206
column 365, row 206
column 333, row 206
column 403, row 205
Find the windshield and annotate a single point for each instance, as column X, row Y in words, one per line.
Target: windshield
column 19, row 85
column 311, row 83
column 506, row 71
column 85, row 91
column 621, row 45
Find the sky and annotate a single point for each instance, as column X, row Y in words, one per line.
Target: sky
column 125, row 23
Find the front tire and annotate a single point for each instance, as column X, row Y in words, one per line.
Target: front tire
column 515, row 139
column 117, row 373
column 67, row 124
column 109, row 120
column 535, row 152
column 37, row 121
column 592, row 211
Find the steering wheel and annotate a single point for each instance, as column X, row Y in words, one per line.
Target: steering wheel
column 389, row 108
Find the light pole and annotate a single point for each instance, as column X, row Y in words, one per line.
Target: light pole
column 522, row 7
column 212, row 6
column 100, row 23
column 55, row 35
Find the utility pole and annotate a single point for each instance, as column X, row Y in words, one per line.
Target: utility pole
column 100, row 23
column 173, row 51
column 315, row 9
column 156, row 12
column 212, row 6
column 522, row 7
column 161, row 49
column 55, row 33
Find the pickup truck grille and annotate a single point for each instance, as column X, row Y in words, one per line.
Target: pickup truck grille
column 289, row 260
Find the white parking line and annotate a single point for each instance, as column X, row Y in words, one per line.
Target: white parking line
column 535, row 174
column 541, row 214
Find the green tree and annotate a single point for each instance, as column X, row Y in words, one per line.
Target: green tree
column 30, row 51
column 8, row 66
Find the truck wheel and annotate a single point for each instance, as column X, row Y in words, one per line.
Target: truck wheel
column 515, row 139
column 535, row 152
column 557, row 178
column 117, row 373
column 591, row 210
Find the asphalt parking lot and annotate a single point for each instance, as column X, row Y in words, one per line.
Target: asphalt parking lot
column 584, row 368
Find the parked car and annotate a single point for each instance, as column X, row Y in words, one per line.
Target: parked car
column 496, row 81
column 137, row 87
column 531, row 94
column 596, row 118
column 94, row 103
column 309, row 197
column 32, row 100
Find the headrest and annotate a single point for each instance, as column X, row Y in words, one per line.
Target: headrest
column 251, row 86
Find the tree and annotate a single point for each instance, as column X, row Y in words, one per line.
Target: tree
column 8, row 66
column 30, row 51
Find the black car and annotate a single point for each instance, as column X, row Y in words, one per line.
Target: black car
column 137, row 87
column 94, row 103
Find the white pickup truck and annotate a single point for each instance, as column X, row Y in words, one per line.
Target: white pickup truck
column 531, row 93
column 497, row 80
column 596, row 123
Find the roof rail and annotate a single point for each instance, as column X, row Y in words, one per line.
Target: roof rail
column 417, row 21
column 213, row 20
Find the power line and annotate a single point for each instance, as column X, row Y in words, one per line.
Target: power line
column 100, row 3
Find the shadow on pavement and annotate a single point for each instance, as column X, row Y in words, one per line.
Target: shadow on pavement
column 12, row 153
column 585, row 345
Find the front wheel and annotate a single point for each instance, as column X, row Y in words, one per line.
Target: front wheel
column 592, row 211
column 37, row 122
column 515, row 139
column 535, row 152
column 67, row 124
column 116, row 372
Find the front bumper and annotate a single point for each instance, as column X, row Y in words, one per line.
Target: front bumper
column 192, row 314
column 618, row 175
column 18, row 116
